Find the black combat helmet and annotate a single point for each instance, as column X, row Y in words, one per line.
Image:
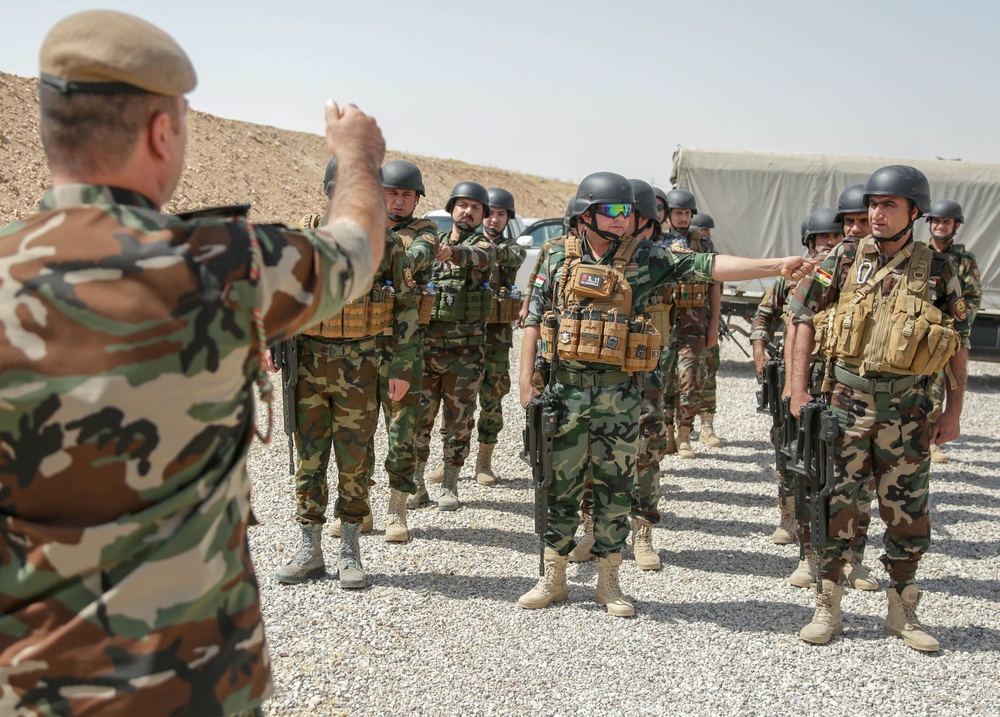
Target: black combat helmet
column 804, row 226
column 822, row 221
column 330, row 178
column 899, row 180
column 852, row 201
column 703, row 221
column 568, row 216
column 602, row 188
column 681, row 199
column 946, row 209
column 645, row 199
column 469, row 190
column 503, row 199
column 661, row 195
column 402, row 174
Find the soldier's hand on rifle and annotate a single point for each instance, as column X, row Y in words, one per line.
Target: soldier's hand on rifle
column 269, row 359
column 759, row 355
column 799, row 399
column 528, row 391
column 398, row 388
column 796, row 268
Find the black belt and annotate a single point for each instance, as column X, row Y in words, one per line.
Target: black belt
column 872, row 385
column 446, row 343
column 348, row 347
column 591, row 380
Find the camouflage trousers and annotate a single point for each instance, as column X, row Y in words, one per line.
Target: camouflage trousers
column 451, row 383
column 859, row 541
column 596, row 444
column 400, row 424
column 336, row 407
column 668, row 367
column 652, row 443
column 495, row 385
column 712, row 362
column 885, row 440
column 692, row 369
column 937, row 389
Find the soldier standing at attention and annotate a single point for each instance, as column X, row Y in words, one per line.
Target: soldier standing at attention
column 945, row 217
column 696, row 327
column 130, row 343
column 454, row 342
column 887, row 311
column 704, row 224
column 499, row 331
column 600, row 282
column 336, row 406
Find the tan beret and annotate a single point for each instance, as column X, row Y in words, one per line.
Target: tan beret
column 108, row 51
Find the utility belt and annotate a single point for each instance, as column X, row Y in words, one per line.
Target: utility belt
column 661, row 316
column 439, row 342
column 338, row 350
column 588, row 334
column 848, row 377
column 368, row 316
column 461, row 304
column 689, row 296
column 591, row 380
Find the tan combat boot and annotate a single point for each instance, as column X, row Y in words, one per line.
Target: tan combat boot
column 902, row 620
column 395, row 521
column 642, row 545
column 938, row 455
column 828, row 619
column 784, row 534
column 484, row 469
column 420, row 499
column 671, row 440
column 581, row 553
column 367, row 523
column 308, row 561
column 352, row 572
column 856, row 574
column 436, row 475
column 448, row 500
column 609, row 593
column 684, row 442
column 707, row 434
column 805, row 574
column 551, row 587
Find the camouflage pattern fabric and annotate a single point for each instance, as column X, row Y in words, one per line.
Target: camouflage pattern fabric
column 937, row 390
column 883, row 436
column 451, row 382
column 419, row 237
column 652, row 444
column 495, row 383
column 668, row 365
column 337, row 397
column 769, row 318
column 597, row 439
column 543, row 253
column 128, row 357
column 335, row 408
column 708, row 394
column 400, row 419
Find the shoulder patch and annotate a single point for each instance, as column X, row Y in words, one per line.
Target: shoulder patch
column 823, row 277
column 408, row 277
column 961, row 310
column 932, row 283
column 539, row 281
column 632, row 266
column 483, row 244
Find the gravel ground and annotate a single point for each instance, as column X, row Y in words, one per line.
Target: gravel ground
column 438, row 632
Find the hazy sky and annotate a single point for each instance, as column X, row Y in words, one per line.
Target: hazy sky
column 562, row 89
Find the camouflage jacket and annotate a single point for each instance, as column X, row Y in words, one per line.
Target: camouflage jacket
column 543, row 253
column 769, row 319
column 690, row 321
column 127, row 353
column 473, row 259
column 967, row 270
column 510, row 256
column 420, row 241
column 823, row 288
column 652, row 266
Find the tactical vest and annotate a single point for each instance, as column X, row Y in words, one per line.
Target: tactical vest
column 902, row 333
column 367, row 316
column 595, row 321
column 455, row 297
column 425, row 296
column 505, row 308
column 691, row 295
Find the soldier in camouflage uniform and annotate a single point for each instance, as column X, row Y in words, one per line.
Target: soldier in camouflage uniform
column 337, row 399
column 130, row 344
column 891, row 309
column 543, row 253
column 454, row 341
column 499, row 331
column 704, row 223
column 696, row 326
column 945, row 217
column 668, row 356
column 597, row 402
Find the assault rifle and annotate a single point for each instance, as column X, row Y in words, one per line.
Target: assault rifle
column 772, row 384
column 810, row 459
column 285, row 357
column 726, row 333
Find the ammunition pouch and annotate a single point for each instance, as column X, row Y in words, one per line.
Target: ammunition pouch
column 425, row 306
column 691, row 296
column 504, row 310
column 453, row 303
column 368, row 316
column 660, row 315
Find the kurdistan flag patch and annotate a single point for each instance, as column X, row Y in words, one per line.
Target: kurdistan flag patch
column 823, row 277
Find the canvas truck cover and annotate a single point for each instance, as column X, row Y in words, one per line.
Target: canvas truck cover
column 758, row 200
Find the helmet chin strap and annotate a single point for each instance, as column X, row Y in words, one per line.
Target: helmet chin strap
column 491, row 233
column 464, row 226
column 397, row 218
column 895, row 237
column 606, row 236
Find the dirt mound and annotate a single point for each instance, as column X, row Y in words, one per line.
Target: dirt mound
column 279, row 171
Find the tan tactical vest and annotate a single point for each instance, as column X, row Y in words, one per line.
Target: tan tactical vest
column 595, row 322
column 902, row 333
column 691, row 295
column 425, row 300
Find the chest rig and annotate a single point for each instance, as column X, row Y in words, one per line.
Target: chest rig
column 691, row 295
column 901, row 332
column 458, row 294
column 425, row 295
column 592, row 316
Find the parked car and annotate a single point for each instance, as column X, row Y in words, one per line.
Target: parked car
column 537, row 233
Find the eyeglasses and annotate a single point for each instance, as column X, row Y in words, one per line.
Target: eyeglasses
column 614, row 210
